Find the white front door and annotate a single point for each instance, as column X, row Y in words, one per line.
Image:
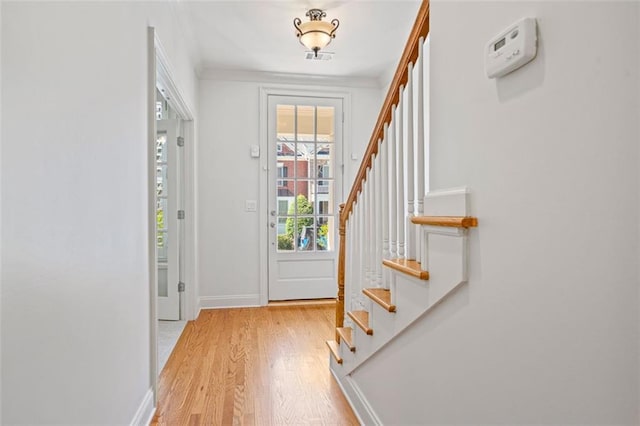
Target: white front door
column 305, row 184
column 168, row 231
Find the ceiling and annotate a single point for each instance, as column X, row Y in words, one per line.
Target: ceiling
column 259, row 35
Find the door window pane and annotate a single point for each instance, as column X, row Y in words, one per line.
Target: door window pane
column 161, row 148
column 285, row 122
column 325, row 164
column 283, row 207
column 162, row 246
column 324, row 196
column 325, row 233
column 305, row 196
column 306, row 123
column 306, row 233
column 285, row 238
column 326, row 124
column 286, row 188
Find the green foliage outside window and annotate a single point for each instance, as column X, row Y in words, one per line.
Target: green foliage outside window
column 323, row 231
column 304, row 208
column 285, row 242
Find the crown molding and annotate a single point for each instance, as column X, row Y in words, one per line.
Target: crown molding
column 205, row 73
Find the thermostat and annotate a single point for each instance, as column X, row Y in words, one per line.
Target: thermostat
column 512, row 48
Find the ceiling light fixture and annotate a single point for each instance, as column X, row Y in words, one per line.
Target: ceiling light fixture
column 316, row 34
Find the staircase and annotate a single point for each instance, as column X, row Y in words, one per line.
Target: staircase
column 403, row 250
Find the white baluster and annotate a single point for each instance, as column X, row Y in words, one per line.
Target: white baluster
column 421, row 142
column 359, row 267
column 411, row 236
column 400, row 160
column 384, row 159
column 368, row 226
column 378, row 209
column 365, row 237
column 372, row 223
column 352, row 241
column 393, row 187
column 348, row 269
column 371, row 226
column 384, row 202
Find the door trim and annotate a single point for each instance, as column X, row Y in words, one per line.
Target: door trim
column 265, row 92
column 159, row 73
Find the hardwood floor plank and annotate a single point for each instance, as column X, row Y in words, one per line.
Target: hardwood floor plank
column 253, row 366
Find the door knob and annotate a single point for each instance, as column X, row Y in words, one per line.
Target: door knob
column 272, row 224
column 273, row 212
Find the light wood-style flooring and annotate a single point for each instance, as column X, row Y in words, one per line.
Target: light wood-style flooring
column 253, row 366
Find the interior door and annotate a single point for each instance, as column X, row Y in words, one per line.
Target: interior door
column 305, row 182
column 168, row 196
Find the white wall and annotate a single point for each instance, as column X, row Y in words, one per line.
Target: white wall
column 229, row 245
column 0, row 213
column 546, row 331
column 75, row 293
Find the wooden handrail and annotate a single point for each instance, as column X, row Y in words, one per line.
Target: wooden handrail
column 420, row 30
column 451, row 221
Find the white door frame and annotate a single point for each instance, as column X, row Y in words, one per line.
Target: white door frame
column 159, row 74
column 287, row 90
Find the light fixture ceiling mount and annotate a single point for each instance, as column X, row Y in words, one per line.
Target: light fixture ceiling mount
column 315, row 34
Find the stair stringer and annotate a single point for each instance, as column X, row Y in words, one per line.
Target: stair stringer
column 445, row 256
column 414, row 298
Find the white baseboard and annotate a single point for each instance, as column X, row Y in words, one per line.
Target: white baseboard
column 145, row 412
column 356, row 399
column 234, row 301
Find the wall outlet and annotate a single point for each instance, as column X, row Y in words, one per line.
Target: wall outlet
column 250, row 206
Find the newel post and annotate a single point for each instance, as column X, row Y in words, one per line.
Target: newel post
column 341, row 266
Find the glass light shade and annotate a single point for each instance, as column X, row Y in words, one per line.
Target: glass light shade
column 316, row 34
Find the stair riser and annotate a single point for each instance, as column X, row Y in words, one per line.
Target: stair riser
column 450, row 254
column 413, row 295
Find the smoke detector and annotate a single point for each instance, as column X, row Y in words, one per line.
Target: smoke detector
column 318, row 56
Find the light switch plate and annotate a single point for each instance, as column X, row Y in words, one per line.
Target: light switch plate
column 250, row 206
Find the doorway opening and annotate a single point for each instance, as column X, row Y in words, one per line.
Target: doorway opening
column 170, row 169
column 171, row 200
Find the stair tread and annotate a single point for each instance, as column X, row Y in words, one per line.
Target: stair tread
column 409, row 267
column 361, row 318
column 347, row 337
column 335, row 350
column 381, row 296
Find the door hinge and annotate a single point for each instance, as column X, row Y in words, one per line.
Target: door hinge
column 180, row 214
column 180, row 141
column 180, row 287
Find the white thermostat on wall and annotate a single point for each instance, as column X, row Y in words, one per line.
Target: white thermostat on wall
column 512, row 48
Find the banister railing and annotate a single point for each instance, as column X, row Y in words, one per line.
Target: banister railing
column 378, row 138
column 420, row 30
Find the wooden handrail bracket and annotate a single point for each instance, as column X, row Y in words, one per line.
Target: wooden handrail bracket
column 409, row 267
column 450, row 221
